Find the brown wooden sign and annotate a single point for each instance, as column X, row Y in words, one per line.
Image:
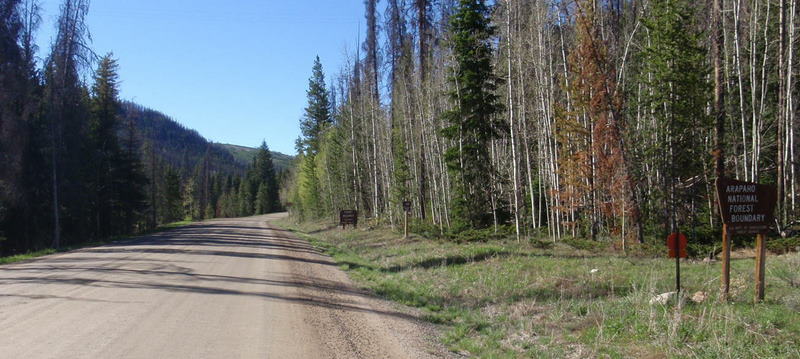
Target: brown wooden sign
column 407, row 206
column 746, row 207
column 348, row 217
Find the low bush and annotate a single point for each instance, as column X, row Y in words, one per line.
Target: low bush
column 703, row 250
column 789, row 270
column 648, row 250
column 587, row 244
column 540, row 244
column 425, row 229
column 783, row 245
column 472, row 235
column 480, row 235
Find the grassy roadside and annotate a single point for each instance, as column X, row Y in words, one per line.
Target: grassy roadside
column 503, row 299
column 48, row 251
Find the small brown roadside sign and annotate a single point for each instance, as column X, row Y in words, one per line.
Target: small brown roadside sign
column 348, row 217
column 407, row 206
column 746, row 207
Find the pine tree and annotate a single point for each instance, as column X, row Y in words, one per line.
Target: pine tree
column 371, row 48
column 65, row 102
column 173, row 200
column 472, row 122
column 675, row 64
column 245, row 200
column 317, row 114
column 12, row 126
column 116, row 179
column 264, row 171
column 11, row 82
column 105, row 149
column 402, row 171
column 130, row 181
column 316, row 120
column 262, row 200
column 190, row 205
column 595, row 94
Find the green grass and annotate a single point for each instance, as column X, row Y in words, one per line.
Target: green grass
column 49, row 251
column 26, row 256
column 167, row 226
column 503, row 299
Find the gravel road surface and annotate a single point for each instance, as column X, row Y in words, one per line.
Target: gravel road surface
column 232, row 288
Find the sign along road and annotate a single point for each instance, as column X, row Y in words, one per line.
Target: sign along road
column 746, row 207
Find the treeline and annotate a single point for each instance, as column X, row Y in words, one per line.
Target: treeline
column 177, row 194
column 73, row 169
column 179, row 146
column 597, row 119
column 244, row 155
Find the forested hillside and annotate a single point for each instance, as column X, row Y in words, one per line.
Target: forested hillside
column 77, row 164
column 245, row 155
column 595, row 119
column 177, row 145
column 184, row 148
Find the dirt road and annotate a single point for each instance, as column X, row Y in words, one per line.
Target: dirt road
column 234, row 288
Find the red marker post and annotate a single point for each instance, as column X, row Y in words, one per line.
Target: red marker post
column 677, row 243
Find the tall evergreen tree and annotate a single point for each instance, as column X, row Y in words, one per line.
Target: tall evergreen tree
column 317, row 118
column 190, row 203
column 105, row 149
column 472, row 122
column 22, row 166
column 65, row 102
column 674, row 69
column 262, row 204
column 11, row 82
column 245, row 200
column 130, row 181
column 12, row 127
column 371, row 48
column 317, row 113
column 264, row 175
column 173, row 201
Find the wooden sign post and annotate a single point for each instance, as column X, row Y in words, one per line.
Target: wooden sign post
column 761, row 261
column 726, row 261
column 407, row 211
column 746, row 208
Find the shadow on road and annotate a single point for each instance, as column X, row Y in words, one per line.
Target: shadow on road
column 137, row 264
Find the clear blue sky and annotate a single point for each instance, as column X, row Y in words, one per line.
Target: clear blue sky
column 236, row 71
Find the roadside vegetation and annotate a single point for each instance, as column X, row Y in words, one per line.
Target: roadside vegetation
column 502, row 298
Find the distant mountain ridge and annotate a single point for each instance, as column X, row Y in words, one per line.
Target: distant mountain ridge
column 245, row 155
column 185, row 148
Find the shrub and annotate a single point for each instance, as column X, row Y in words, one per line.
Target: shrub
column 472, row 235
column 789, row 270
column 587, row 244
column 424, row 229
column 540, row 244
column 783, row 245
column 703, row 250
column 647, row 249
